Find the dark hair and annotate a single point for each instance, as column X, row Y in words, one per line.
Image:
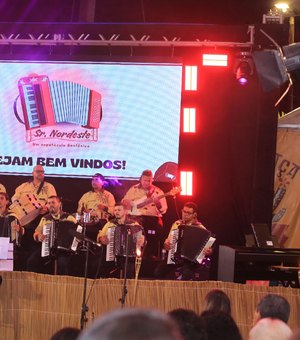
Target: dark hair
column 220, row 326
column 217, row 300
column 191, row 205
column 66, row 333
column 55, row 197
column 5, row 195
column 274, row 306
column 190, row 324
column 120, row 204
column 147, row 173
column 98, row 175
column 133, row 324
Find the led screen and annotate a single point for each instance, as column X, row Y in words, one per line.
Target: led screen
column 77, row 119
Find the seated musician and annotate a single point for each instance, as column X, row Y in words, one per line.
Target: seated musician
column 98, row 202
column 104, row 237
column 186, row 268
column 42, row 191
column 9, row 226
column 35, row 261
column 148, row 215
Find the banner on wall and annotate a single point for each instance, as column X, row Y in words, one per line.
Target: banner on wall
column 76, row 119
column 286, row 203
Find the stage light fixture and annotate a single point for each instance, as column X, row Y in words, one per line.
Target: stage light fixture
column 243, row 68
column 282, row 6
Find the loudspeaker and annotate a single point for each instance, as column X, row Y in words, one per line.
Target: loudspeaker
column 270, row 68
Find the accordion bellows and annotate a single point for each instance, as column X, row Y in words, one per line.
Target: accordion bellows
column 46, row 103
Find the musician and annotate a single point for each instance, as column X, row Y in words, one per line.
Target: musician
column 4, row 202
column 9, row 226
column 42, row 191
column 37, row 186
column 99, row 202
column 63, row 258
column 2, row 188
column 120, row 218
column 150, row 215
column 187, row 268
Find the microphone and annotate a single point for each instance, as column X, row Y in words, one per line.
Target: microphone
column 82, row 237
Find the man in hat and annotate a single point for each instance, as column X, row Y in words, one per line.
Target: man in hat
column 98, row 202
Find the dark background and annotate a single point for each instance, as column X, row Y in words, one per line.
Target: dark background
column 192, row 11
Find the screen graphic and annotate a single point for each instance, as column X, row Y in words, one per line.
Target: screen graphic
column 77, row 119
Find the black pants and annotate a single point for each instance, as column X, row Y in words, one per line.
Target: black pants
column 36, row 263
column 184, row 270
column 152, row 230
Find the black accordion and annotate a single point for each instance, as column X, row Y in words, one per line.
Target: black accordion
column 123, row 240
column 58, row 237
column 188, row 242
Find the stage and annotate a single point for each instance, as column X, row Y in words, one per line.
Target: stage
column 34, row 306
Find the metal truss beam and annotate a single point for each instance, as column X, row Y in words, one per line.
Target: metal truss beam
column 118, row 39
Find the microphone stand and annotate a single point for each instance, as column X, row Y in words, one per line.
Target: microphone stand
column 84, row 307
column 124, row 287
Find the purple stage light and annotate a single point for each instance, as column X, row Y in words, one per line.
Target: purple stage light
column 243, row 81
column 243, row 68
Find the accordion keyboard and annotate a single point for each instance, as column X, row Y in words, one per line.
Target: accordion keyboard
column 173, row 244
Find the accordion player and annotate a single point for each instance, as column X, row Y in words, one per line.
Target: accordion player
column 63, row 241
column 9, row 224
column 45, row 103
column 122, row 241
column 188, row 246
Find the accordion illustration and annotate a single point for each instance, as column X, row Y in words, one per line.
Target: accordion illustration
column 45, row 103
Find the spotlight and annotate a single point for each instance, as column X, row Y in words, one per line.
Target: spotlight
column 243, row 68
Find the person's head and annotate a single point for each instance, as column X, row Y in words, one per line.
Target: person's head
column 133, row 324
column 119, row 210
column 270, row 329
column 146, row 179
column 220, row 326
column 217, row 300
column 98, row 181
column 189, row 212
column 38, row 173
column 54, row 205
column 4, row 201
column 190, row 324
column 272, row 306
column 66, row 333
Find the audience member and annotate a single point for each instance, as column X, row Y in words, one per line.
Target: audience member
column 220, row 326
column 190, row 324
column 133, row 324
column 217, row 301
column 272, row 306
column 66, row 333
column 270, row 329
